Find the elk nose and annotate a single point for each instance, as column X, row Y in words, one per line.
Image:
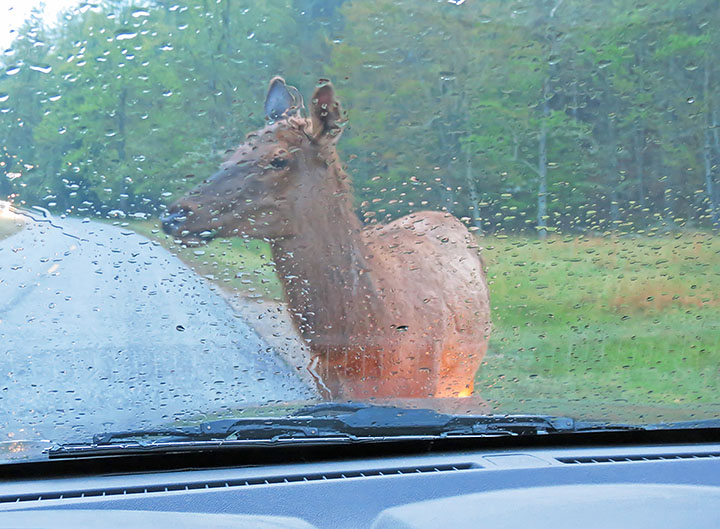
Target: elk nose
column 172, row 222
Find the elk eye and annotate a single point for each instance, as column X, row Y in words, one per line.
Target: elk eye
column 279, row 163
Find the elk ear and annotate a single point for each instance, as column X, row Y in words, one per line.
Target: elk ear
column 326, row 113
column 282, row 100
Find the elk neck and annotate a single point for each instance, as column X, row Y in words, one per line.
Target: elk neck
column 324, row 266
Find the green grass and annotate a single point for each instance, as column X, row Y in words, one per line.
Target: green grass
column 591, row 325
column 604, row 323
column 237, row 265
column 9, row 227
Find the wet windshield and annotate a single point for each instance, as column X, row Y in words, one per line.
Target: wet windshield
column 211, row 207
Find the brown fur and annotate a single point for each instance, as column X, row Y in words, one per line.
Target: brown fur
column 396, row 310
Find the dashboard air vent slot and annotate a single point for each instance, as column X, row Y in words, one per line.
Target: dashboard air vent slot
column 636, row 457
column 267, row 480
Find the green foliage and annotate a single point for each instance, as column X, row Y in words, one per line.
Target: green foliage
column 511, row 117
column 133, row 100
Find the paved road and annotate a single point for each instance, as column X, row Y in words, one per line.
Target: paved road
column 102, row 329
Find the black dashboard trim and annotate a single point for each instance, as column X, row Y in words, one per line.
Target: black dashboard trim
column 256, row 456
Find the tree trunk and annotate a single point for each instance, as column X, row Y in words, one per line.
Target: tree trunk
column 613, row 182
column 542, row 165
column 707, row 155
column 471, row 183
column 123, row 202
column 710, row 181
column 714, row 130
column 614, row 195
column 212, row 71
column 575, row 101
column 716, row 157
column 121, row 124
column 639, row 139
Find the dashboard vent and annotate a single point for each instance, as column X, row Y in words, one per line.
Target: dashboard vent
column 269, row 480
column 636, row 457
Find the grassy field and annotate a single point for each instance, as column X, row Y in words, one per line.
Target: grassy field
column 604, row 323
column 237, row 265
column 8, row 227
column 579, row 323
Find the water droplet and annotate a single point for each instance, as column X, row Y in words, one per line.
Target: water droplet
column 82, row 8
column 4, row 97
column 251, row 35
column 690, row 100
column 167, row 93
column 41, row 68
column 125, row 34
column 179, row 328
column 140, row 13
column 12, row 70
column 604, row 64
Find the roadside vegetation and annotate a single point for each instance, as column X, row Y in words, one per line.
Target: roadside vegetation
column 236, row 265
column 604, row 321
column 9, row 227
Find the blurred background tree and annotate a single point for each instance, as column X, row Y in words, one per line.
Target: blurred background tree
column 517, row 118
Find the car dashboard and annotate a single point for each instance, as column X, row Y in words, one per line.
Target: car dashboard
column 640, row 486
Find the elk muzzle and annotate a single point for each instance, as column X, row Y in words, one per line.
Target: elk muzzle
column 172, row 222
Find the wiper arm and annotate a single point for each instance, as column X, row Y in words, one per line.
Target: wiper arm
column 362, row 421
column 323, row 420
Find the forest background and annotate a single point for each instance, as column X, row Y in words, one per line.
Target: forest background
column 517, row 117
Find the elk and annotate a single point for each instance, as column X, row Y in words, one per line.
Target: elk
column 387, row 310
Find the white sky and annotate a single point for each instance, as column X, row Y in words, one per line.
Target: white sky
column 14, row 12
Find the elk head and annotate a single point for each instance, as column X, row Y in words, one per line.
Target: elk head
column 259, row 190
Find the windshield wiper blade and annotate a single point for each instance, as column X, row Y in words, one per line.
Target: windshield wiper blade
column 362, row 420
column 324, row 420
column 333, row 423
column 324, row 423
column 712, row 423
